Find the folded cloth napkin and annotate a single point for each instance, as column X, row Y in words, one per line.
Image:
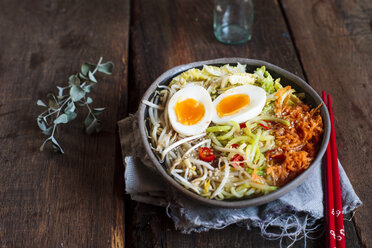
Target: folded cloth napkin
column 294, row 212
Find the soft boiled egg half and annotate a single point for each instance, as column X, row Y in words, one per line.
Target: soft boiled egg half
column 239, row 104
column 190, row 110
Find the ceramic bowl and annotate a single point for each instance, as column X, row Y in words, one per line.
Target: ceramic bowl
column 287, row 78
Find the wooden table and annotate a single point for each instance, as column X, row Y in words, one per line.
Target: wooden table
column 78, row 199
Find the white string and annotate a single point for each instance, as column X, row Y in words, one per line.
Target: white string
column 293, row 229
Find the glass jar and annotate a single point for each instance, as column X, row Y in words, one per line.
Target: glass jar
column 232, row 20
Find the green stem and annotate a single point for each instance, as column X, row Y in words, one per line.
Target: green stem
column 41, row 115
column 65, row 102
column 54, row 128
column 51, row 113
column 90, row 110
column 99, row 62
column 59, row 109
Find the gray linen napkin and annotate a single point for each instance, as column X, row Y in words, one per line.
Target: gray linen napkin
column 294, row 212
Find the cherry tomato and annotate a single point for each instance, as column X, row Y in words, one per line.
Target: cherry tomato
column 236, row 159
column 275, row 155
column 242, row 125
column 278, row 157
column 235, row 146
column 206, row 154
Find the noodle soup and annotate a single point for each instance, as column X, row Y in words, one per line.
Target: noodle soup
column 224, row 133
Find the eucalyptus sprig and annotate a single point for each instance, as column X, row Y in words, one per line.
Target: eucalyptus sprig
column 62, row 108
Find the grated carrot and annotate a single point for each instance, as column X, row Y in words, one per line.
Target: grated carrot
column 279, row 102
column 296, row 144
column 255, row 177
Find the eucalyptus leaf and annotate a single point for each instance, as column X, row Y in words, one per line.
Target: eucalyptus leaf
column 98, row 111
column 56, row 146
column 91, row 77
column 74, row 80
column 65, row 103
column 70, row 107
column 52, row 103
column 88, row 88
column 77, row 93
column 61, row 119
column 71, row 116
column 48, row 131
column 61, row 99
column 94, row 126
column 81, row 76
column 60, row 91
column 41, row 124
column 106, row 68
column 90, row 117
column 86, row 67
column 41, row 103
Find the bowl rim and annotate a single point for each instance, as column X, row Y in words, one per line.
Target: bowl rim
column 169, row 74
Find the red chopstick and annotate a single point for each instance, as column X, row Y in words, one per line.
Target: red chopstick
column 340, row 233
column 329, row 203
column 335, row 234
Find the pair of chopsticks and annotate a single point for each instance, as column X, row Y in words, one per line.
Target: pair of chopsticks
column 335, row 233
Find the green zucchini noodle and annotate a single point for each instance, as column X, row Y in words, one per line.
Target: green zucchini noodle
column 223, row 178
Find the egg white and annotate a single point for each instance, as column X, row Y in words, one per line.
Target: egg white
column 199, row 94
column 257, row 98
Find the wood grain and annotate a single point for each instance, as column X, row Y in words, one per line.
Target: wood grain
column 334, row 39
column 46, row 199
column 77, row 200
column 169, row 33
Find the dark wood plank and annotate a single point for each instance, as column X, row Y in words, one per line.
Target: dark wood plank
column 47, row 199
column 169, row 33
column 334, row 39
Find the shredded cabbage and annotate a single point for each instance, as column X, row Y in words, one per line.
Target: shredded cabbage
column 265, row 80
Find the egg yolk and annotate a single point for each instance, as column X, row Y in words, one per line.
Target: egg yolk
column 232, row 104
column 189, row 111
